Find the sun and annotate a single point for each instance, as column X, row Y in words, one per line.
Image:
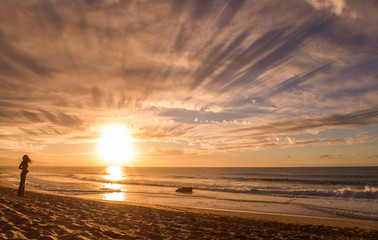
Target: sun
column 116, row 145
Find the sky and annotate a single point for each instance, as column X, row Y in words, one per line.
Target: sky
column 196, row 83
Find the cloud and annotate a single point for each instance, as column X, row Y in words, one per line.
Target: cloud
column 329, row 156
column 156, row 152
column 336, row 6
column 31, row 116
column 294, row 81
column 59, row 118
column 69, row 120
column 271, row 49
column 156, row 132
column 354, row 119
column 229, row 12
column 188, row 116
column 97, row 96
column 13, row 59
column 50, row 116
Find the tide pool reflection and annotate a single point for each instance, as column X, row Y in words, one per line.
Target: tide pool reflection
column 115, row 196
column 115, row 174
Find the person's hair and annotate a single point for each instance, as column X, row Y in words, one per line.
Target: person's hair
column 26, row 158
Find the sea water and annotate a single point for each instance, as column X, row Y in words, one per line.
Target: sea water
column 334, row 192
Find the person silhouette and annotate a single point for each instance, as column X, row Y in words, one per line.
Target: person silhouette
column 24, row 165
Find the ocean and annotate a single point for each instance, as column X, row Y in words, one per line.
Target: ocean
column 332, row 192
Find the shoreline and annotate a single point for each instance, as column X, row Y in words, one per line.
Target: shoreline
column 337, row 221
column 51, row 216
column 291, row 219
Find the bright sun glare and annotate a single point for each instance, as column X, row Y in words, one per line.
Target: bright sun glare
column 115, row 145
column 115, row 173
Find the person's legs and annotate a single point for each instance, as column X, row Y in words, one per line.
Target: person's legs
column 21, row 188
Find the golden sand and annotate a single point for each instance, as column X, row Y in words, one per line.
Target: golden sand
column 46, row 216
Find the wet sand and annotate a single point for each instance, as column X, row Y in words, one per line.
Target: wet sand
column 46, row 216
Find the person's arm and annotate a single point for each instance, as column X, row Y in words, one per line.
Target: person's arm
column 22, row 165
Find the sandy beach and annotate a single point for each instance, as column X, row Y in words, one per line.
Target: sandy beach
column 46, row 216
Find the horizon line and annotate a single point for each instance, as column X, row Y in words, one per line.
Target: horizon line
column 349, row 166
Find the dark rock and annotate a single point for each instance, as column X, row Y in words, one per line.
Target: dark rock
column 184, row 190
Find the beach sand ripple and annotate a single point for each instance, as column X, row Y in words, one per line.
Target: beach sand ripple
column 45, row 216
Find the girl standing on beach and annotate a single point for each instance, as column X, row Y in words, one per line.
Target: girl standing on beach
column 24, row 165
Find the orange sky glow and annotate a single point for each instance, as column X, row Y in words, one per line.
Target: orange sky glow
column 189, row 83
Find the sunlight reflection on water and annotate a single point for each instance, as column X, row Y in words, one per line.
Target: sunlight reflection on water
column 112, row 186
column 115, row 174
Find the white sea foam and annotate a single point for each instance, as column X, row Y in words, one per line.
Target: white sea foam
column 327, row 192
